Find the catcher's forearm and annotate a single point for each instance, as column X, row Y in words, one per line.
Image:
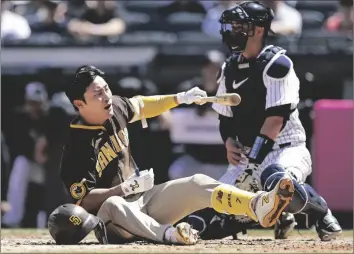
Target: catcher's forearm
column 226, row 128
column 151, row 106
column 95, row 198
column 272, row 126
column 264, row 142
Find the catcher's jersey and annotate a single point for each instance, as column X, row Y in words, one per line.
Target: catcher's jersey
column 98, row 156
column 264, row 82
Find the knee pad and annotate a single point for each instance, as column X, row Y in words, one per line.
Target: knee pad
column 271, row 175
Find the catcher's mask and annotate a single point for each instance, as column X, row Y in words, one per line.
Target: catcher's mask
column 238, row 23
column 69, row 224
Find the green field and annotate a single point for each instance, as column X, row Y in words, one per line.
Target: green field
column 304, row 241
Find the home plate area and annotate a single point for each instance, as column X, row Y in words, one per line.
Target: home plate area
column 256, row 241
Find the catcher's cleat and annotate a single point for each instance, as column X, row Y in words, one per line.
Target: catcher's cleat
column 183, row 234
column 328, row 227
column 270, row 205
column 284, row 226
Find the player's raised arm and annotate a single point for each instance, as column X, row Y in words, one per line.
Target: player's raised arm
column 151, row 106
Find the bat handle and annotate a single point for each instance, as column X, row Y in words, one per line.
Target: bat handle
column 207, row 99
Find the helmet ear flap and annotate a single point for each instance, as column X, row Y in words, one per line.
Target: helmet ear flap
column 101, row 232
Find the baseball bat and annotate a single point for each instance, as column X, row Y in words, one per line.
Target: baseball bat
column 227, row 99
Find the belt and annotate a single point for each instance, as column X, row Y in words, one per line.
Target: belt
column 284, row 145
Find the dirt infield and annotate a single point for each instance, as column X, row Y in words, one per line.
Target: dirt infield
column 257, row 241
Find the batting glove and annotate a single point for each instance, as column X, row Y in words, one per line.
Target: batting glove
column 137, row 184
column 191, row 96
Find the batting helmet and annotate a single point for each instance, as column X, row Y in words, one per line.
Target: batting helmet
column 238, row 23
column 69, row 224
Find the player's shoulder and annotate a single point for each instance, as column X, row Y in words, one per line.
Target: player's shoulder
column 120, row 104
column 119, row 101
column 275, row 62
column 123, row 109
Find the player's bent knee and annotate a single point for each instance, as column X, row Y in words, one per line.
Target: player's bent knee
column 201, row 179
column 112, row 203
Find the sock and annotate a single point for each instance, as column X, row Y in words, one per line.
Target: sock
column 231, row 200
column 170, row 235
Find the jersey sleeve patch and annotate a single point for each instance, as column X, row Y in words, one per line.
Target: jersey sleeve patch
column 78, row 190
column 280, row 67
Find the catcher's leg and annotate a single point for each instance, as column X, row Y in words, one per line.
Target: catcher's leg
column 306, row 200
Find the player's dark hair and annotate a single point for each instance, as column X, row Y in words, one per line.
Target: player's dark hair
column 84, row 76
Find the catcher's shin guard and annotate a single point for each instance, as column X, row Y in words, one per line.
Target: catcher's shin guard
column 305, row 199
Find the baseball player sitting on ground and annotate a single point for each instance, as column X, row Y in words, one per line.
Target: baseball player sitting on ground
column 264, row 137
column 100, row 174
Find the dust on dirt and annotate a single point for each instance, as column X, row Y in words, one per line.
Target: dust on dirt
column 39, row 241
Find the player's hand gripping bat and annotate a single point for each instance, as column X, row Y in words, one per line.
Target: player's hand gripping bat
column 227, row 99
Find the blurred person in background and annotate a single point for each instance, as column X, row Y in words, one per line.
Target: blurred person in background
column 5, row 172
column 196, row 130
column 287, row 20
column 192, row 6
column 70, row 9
column 60, row 113
column 343, row 19
column 42, row 15
column 101, row 18
column 25, row 133
column 13, row 25
column 211, row 24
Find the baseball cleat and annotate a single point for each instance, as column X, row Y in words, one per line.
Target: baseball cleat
column 183, row 234
column 284, row 226
column 328, row 227
column 270, row 205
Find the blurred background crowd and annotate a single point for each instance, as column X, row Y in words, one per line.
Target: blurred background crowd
column 145, row 47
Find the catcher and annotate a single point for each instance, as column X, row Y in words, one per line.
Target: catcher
column 101, row 176
column 263, row 136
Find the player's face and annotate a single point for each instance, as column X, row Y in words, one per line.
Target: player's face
column 98, row 100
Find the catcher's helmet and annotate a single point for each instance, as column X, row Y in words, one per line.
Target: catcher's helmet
column 69, row 224
column 246, row 16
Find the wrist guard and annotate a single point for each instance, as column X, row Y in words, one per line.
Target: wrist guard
column 262, row 146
